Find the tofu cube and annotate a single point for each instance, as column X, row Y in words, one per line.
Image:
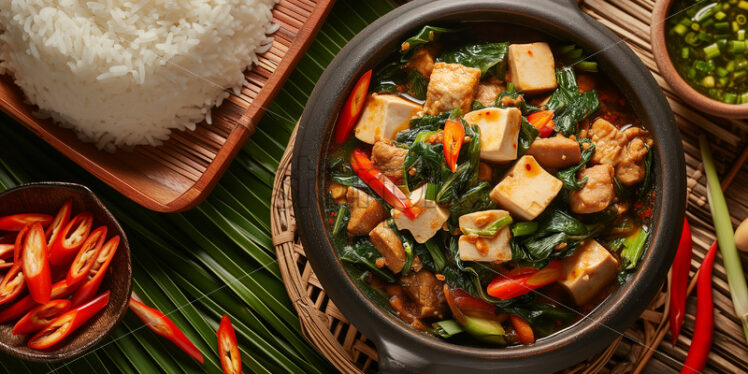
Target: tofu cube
column 499, row 130
column 588, row 271
column 429, row 220
column 384, row 116
column 532, row 67
column 451, row 86
column 478, row 248
column 526, row 190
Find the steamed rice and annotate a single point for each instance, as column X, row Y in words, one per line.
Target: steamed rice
column 124, row 73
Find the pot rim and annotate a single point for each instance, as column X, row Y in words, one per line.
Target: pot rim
column 401, row 347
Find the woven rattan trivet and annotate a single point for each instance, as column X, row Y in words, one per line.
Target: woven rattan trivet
column 639, row 349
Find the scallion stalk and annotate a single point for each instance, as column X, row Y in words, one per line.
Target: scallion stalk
column 711, row 51
column 590, row 66
column 447, row 328
column 680, row 29
column 725, row 235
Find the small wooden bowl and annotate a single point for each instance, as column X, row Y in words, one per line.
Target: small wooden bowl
column 47, row 197
column 694, row 98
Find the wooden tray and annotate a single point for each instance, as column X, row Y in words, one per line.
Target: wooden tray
column 179, row 174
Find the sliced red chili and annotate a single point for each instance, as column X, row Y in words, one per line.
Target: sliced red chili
column 65, row 324
column 523, row 329
column 679, row 281
column 87, row 256
column 41, row 316
column 18, row 246
column 352, row 109
column 59, row 290
column 703, row 330
column 12, row 285
column 162, row 325
column 6, row 255
column 35, row 264
column 70, row 239
column 96, row 274
column 543, row 121
column 454, row 133
column 228, row 349
column 379, row 182
column 17, row 222
column 61, row 219
column 508, row 286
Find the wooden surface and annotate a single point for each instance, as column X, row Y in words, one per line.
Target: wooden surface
column 643, row 348
column 180, row 173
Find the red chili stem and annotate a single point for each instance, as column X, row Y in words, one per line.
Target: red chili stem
column 701, row 342
column 679, row 281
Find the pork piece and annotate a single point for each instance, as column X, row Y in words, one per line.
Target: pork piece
column 624, row 150
column 423, row 59
column 389, row 245
column 451, row 86
column 557, row 152
column 426, row 293
column 488, row 91
column 366, row 211
column 389, row 159
column 597, row 193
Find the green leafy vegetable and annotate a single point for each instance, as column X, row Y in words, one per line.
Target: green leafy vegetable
column 569, row 176
column 527, row 135
column 487, row 330
column 524, row 228
column 633, row 248
column 473, row 200
column 568, row 105
column 466, row 174
column 425, row 123
column 341, row 220
column 543, row 318
column 647, row 181
column 437, row 256
column 427, row 159
column 428, row 34
column 363, row 252
column 395, row 77
column 490, row 58
column 491, row 229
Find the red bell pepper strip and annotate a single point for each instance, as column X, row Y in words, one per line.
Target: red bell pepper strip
column 65, row 324
column 87, row 256
column 162, row 325
column 6, row 253
column 454, row 134
column 228, row 349
column 61, row 219
column 703, row 330
column 524, row 330
column 91, row 285
column 352, row 109
column 679, row 281
column 17, row 222
column 509, row 286
column 379, row 182
column 35, row 264
column 70, row 239
column 18, row 246
column 60, row 290
column 12, row 285
column 41, row 316
column 543, row 121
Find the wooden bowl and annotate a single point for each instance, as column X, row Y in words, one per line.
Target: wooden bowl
column 694, row 98
column 47, row 197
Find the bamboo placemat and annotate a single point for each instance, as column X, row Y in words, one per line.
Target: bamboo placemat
column 641, row 348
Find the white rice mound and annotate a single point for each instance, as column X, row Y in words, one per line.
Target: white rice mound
column 125, row 73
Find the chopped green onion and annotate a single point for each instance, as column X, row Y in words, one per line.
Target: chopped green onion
column 706, row 12
column 711, row 51
column 722, row 26
column 447, row 328
column 431, row 191
column 524, row 228
column 723, row 81
column 744, row 98
column 741, row 19
column 489, row 230
column 722, row 72
column 684, row 52
column 680, row 29
column 720, row 15
column 730, row 66
column 586, row 66
column 695, row 26
column 735, row 26
column 725, row 235
column 692, row 73
column 736, row 47
column 566, row 49
column 692, row 39
column 633, row 248
column 708, row 81
column 704, row 36
column 729, row 98
column 743, row 4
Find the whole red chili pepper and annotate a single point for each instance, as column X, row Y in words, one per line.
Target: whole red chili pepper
column 703, row 330
column 679, row 281
column 162, row 325
column 35, row 264
column 60, row 290
column 228, row 349
column 17, row 222
column 41, row 316
column 61, row 219
column 96, row 273
column 70, row 239
column 65, row 324
column 380, row 183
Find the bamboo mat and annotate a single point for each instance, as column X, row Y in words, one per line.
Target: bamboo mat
column 346, row 348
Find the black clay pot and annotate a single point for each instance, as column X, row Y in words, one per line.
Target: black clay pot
column 402, row 349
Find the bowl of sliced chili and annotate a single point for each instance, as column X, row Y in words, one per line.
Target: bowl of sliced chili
column 701, row 50
column 65, row 268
